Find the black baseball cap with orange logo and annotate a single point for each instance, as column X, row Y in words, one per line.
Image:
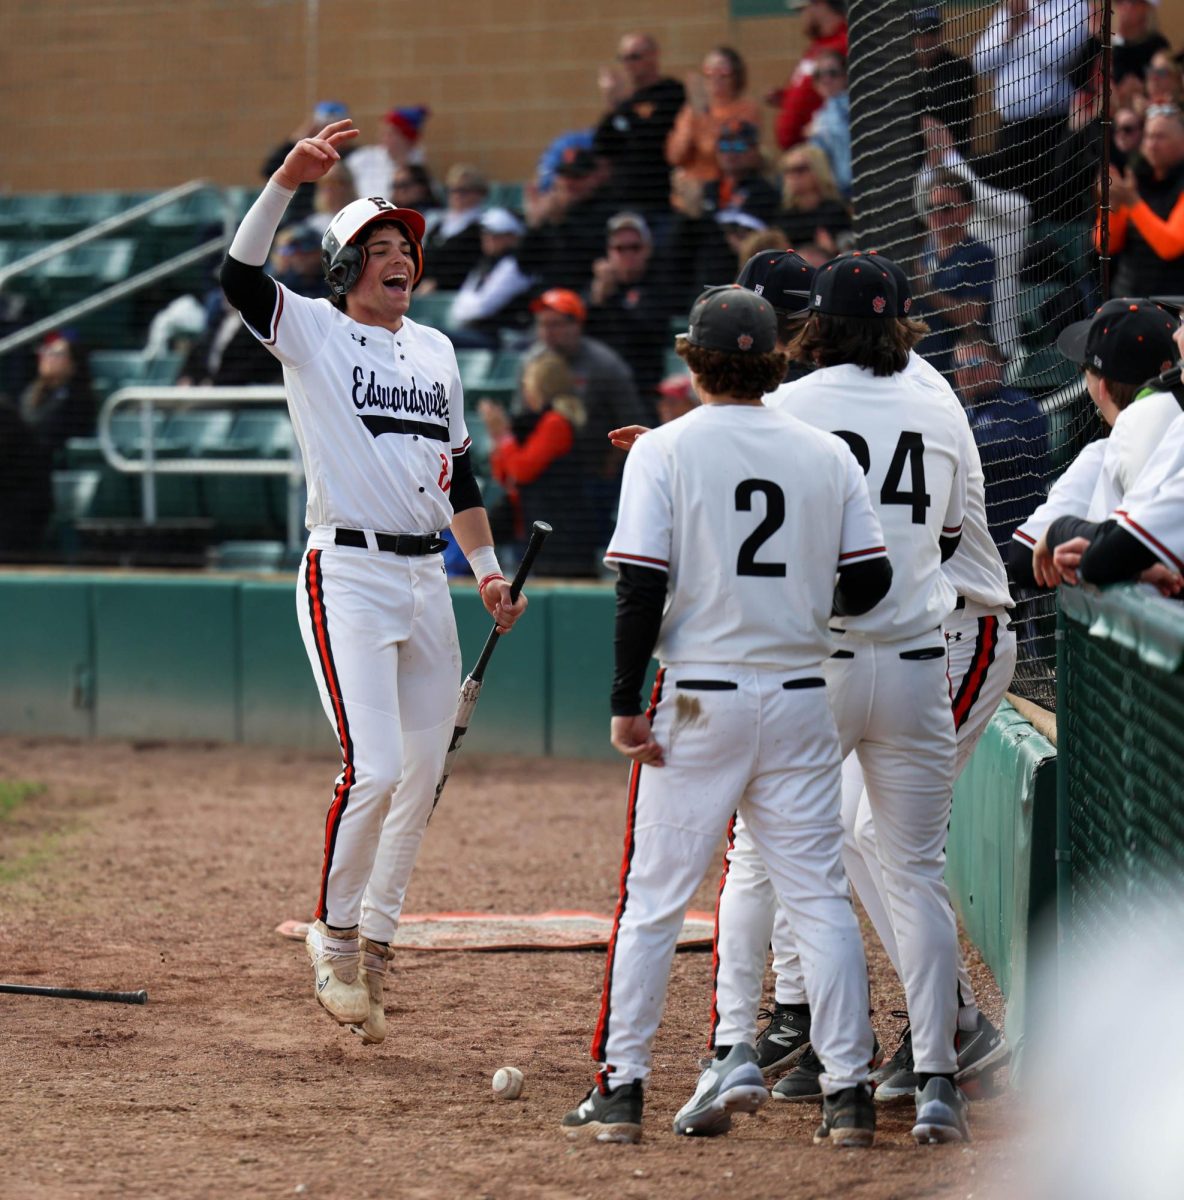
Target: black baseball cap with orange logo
column 1127, row 340
column 783, row 277
column 854, row 285
column 733, row 320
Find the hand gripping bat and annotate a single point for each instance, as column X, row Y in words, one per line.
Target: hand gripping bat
column 470, row 690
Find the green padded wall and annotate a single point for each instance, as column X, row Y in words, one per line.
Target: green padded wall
column 46, row 649
column 167, row 658
column 1001, row 856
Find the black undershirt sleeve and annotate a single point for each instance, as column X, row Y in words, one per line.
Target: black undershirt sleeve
column 465, row 491
column 861, row 586
column 1019, row 564
column 1065, row 529
column 1112, row 555
column 251, row 290
column 641, row 597
column 948, row 544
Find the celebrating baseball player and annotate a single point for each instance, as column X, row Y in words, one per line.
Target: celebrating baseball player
column 734, row 522
column 377, row 409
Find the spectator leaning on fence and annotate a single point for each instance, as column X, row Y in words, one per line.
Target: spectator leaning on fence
column 1147, row 203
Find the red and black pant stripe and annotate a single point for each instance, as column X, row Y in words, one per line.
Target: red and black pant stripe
column 719, row 895
column 975, row 677
column 314, row 587
column 600, row 1036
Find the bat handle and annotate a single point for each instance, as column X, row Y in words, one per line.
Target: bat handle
column 539, row 532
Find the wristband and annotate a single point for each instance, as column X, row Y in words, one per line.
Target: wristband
column 489, row 579
column 483, row 560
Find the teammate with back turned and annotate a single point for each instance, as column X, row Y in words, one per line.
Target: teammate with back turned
column 887, row 680
column 377, row 409
column 733, row 524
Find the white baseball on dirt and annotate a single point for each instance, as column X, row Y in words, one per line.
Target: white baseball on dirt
column 507, row 1083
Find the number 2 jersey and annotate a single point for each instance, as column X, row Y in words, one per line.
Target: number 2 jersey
column 751, row 513
column 909, row 437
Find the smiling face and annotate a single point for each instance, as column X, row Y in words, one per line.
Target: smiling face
column 382, row 293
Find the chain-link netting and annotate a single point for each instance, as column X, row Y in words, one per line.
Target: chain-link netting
column 1120, row 730
column 976, row 149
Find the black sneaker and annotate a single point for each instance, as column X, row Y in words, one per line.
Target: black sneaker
column 896, row 1080
column 802, row 1083
column 979, row 1051
column 848, row 1118
column 783, row 1040
column 607, row 1116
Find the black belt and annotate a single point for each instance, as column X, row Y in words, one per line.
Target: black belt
column 959, row 603
column 394, row 543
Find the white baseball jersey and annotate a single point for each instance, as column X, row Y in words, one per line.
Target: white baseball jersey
column 378, row 416
column 1070, row 496
column 1138, row 431
column 910, row 442
column 751, row 528
column 976, row 570
column 1153, row 509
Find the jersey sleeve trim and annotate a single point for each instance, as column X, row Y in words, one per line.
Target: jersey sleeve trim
column 1148, row 539
column 463, row 448
column 275, row 317
column 1026, row 538
column 619, row 556
column 861, row 555
column 950, row 530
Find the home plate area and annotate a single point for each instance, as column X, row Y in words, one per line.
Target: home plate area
column 559, row 930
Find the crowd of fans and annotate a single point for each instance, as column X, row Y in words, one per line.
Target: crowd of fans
column 678, row 182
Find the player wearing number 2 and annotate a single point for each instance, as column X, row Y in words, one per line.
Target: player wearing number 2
column 733, row 524
column 377, row 409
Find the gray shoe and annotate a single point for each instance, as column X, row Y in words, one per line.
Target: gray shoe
column 783, row 1040
column 728, row 1085
column 848, row 1118
column 979, row 1052
column 607, row 1116
column 941, row 1114
column 803, row 1082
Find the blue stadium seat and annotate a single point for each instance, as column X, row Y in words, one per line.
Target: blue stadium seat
column 63, row 215
column 475, row 367
column 432, row 309
column 506, row 195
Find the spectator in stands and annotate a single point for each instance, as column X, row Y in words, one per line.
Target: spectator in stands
column 830, row 127
column 641, row 107
column 714, row 98
column 531, row 457
column 557, row 151
column 302, row 204
column 946, row 81
column 565, row 226
column 676, row 397
column 812, row 210
column 296, row 262
column 1028, row 52
column 956, row 273
column 1135, row 39
column 228, row 355
column 1164, row 80
column 741, row 184
column 824, row 22
column 629, row 301
column 493, row 295
column 331, row 193
column 999, row 219
column 26, row 491
column 1126, row 137
column 604, row 383
column 452, row 243
column 1011, row 433
column 1147, row 221
column 59, row 404
column 373, row 167
column 413, row 187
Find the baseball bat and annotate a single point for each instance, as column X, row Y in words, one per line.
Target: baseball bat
column 61, row 993
column 470, row 690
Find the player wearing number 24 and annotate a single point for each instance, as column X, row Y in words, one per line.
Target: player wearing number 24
column 378, row 412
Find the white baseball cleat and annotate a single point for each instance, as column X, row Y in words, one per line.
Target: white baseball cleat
column 375, row 956
column 335, row 961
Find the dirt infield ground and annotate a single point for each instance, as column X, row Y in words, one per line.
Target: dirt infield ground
column 167, row 867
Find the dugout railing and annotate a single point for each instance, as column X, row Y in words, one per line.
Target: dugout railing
column 1120, row 726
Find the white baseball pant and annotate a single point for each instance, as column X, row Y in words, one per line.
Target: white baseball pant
column 764, row 744
column 381, row 636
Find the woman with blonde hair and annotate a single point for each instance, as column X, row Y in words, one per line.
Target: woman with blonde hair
column 812, row 207
column 530, row 456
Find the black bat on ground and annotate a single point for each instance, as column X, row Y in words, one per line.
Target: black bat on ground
column 470, row 690
column 62, row 993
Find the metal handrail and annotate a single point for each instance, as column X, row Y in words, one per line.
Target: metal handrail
column 179, row 262
column 148, row 466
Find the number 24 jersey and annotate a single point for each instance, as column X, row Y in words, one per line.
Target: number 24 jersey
column 751, row 513
column 907, row 434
